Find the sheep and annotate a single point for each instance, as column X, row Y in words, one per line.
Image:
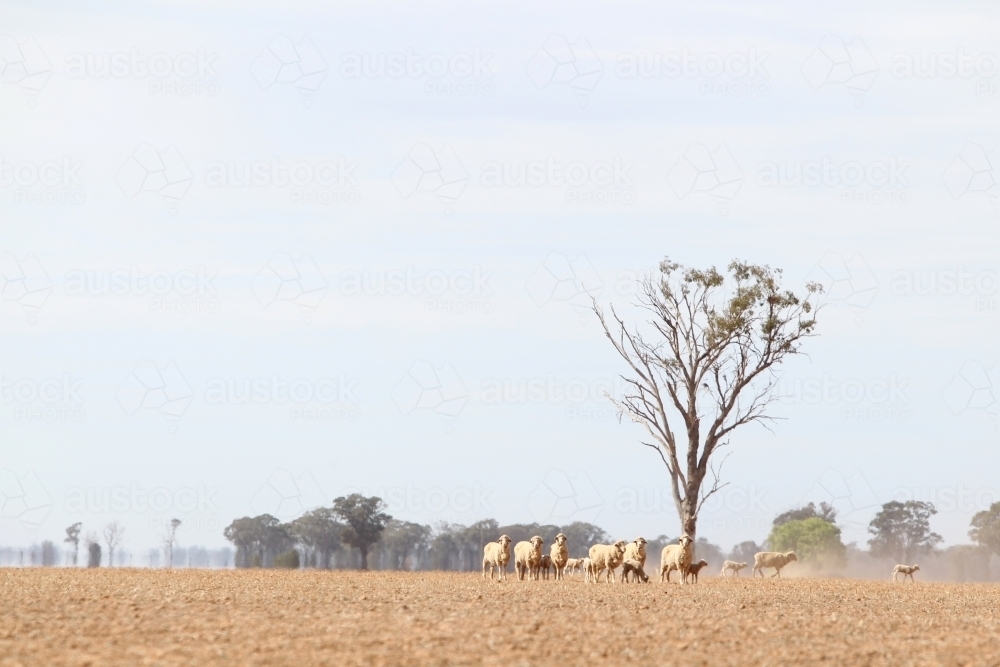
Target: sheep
column 633, row 567
column 695, row 568
column 559, row 555
column 585, row 565
column 676, row 557
column 573, row 565
column 636, row 550
column 773, row 559
column 906, row 570
column 528, row 558
column 497, row 554
column 545, row 565
column 606, row 556
column 734, row 566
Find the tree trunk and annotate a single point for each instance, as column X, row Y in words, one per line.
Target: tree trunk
column 364, row 557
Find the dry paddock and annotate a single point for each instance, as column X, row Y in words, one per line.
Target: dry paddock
column 200, row 617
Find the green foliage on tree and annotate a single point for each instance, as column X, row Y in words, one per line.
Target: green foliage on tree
column 365, row 521
column 318, row 531
column 288, row 560
column 825, row 512
column 257, row 539
column 901, row 530
column 986, row 528
column 94, row 555
column 813, row 540
column 403, row 539
column 744, row 552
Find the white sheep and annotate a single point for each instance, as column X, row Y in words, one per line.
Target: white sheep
column 906, row 571
column 676, row 557
column 773, row 559
column 497, row 554
column 606, row 556
column 631, row 566
column 636, row 550
column 573, row 565
column 734, row 566
column 528, row 558
column 695, row 568
column 559, row 555
column 586, row 566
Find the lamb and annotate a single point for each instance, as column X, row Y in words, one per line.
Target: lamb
column 573, row 565
column 528, row 558
column 497, row 554
column 606, row 556
column 695, row 568
column 636, row 550
column 906, row 570
column 773, row 559
column 734, row 566
column 633, row 567
column 559, row 555
column 676, row 557
column 545, row 566
column 585, row 565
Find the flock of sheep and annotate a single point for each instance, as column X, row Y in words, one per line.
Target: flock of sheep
column 530, row 561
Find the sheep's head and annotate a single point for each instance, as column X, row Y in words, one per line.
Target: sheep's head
column 504, row 541
column 640, row 542
column 560, row 539
column 916, row 567
column 536, row 542
column 620, row 546
column 684, row 540
column 742, row 564
column 702, row 563
column 791, row 556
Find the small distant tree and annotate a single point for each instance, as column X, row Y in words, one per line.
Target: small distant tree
column 73, row 537
column 94, row 554
column 744, row 552
column 813, row 540
column 902, row 530
column 403, row 539
column 168, row 541
column 288, row 560
column 365, row 521
column 986, row 528
column 48, row 554
column 825, row 512
column 113, row 538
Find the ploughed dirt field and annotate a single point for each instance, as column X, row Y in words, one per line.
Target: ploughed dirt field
column 266, row 617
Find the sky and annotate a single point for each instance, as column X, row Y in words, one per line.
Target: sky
column 256, row 256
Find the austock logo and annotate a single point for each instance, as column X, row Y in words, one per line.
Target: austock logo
column 284, row 61
column 182, row 74
column 148, row 170
column 152, row 388
column 561, row 279
column 563, row 499
column 24, row 282
column 24, row 65
column 837, row 62
column 424, row 387
column 563, row 63
column 703, row 171
column 49, row 182
column 23, row 498
column 287, row 279
column 849, row 282
column 440, row 173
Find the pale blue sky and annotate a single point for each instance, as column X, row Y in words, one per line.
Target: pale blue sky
column 896, row 399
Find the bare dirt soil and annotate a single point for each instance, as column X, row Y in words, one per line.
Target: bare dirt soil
column 265, row 617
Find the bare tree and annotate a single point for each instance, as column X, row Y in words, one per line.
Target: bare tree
column 113, row 538
column 705, row 367
column 168, row 542
column 73, row 537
